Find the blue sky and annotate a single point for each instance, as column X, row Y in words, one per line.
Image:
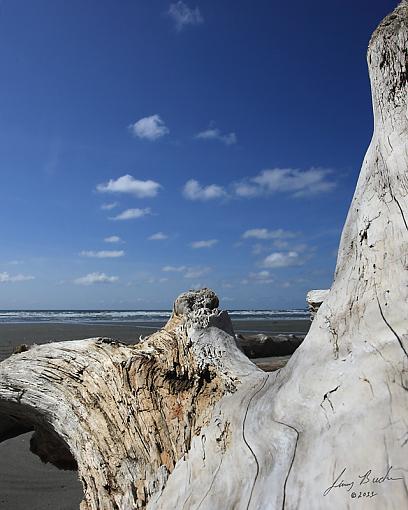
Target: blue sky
column 148, row 147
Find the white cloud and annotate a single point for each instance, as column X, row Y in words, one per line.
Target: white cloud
column 7, row 278
column 265, row 234
column 183, row 15
column 196, row 272
column 159, row 236
column 215, row 134
column 194, row 191
column 286, row 180
column 280, row 244
column 113, row 239
column 92, row 278
column 157, row 280
column 110, row 206
column 204, row 244
column 149, row 128
column 279, row 180
column 188, row 272
column 282, row 259
column 174, row 269
column 128, row 184
column 262, row 277
column 131, row 214
column 245, row 190
column 103, row 254
column 303, row 247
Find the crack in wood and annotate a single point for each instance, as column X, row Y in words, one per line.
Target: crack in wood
column 246, row 441
column 291, row 462
column 326, row 397
column 390, row 327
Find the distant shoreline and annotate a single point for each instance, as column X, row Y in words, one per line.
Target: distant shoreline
column 142, row 318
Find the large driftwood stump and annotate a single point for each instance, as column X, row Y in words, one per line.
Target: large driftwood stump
column 185, row 421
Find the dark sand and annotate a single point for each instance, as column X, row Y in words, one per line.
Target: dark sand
column 28, row 484
column 12, row 335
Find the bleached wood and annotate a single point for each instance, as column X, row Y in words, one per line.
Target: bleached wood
column 314, row 299
column 185, row 421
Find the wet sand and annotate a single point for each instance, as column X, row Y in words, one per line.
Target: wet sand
column 12, row 335
column 28, row 484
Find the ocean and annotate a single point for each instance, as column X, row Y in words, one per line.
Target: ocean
column 133, row 316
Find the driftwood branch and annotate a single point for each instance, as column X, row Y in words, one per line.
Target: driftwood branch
column 185, row 421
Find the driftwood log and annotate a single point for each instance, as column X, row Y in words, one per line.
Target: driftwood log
column 185, row 421
column 314, row 301
column 262, row 346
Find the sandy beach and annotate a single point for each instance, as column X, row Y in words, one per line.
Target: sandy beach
column 28, row 484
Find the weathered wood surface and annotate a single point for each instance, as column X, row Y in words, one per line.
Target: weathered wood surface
column 185, row 421
column 314, row 300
